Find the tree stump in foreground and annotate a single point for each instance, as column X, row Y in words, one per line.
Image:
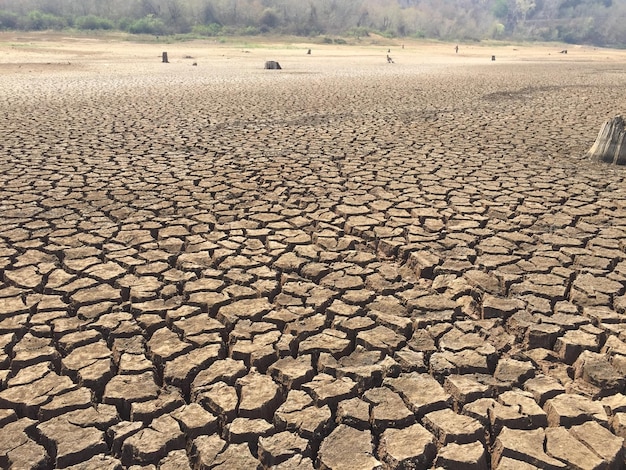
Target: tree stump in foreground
column 272, row 65
column 610, row 146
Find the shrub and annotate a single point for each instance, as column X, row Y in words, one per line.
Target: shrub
column 388, row 34
column 8, row 20
column 38, row 21
column 123, row 24
column 93, row 22
column 500, row 9
column 250, row 31
column 212, row 29
column 270, row 18
column 148, row 25
column 497, row 30
column 358, row 32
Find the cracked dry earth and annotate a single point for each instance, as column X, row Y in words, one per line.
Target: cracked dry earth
column 349, row 267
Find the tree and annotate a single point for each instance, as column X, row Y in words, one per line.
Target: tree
column 591, row 21
column 269, row 18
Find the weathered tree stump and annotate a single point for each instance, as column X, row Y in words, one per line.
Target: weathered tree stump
column 610, row 146
column 165, row 61
column 272, row 65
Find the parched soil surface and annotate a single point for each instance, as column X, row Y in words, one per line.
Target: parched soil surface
column 345, row 264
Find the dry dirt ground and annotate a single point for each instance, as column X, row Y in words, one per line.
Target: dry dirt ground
column 345, row 264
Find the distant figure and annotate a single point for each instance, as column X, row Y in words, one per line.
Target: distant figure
column 389, row 59
column 564, row 51
column 388, row 51
column 456, row 49
column 402, row 46
column 309, row 52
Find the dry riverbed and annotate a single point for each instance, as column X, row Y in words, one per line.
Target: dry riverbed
column 344, row 264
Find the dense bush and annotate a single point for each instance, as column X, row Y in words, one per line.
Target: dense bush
column 37, row 20
column 148, row 25
column 8, row 20
column 270, row 18
column 93, row 22
column 212, row 29
column 250, row 31
column 358, row 32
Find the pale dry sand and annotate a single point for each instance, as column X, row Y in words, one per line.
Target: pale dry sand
column 221, row 264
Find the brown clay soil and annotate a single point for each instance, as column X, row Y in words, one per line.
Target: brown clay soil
column 344, row 264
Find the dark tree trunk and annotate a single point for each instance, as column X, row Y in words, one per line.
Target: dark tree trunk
column 610, row 146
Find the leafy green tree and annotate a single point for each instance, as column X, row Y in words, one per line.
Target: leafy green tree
column 601, row 22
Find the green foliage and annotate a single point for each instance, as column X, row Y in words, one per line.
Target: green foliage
column 584, row 32
column 250, row 31
column 8, row 20
column 388, row 33
column 548, row 34
column 500, row 9
column 270, row 18
column 600, row 22
column 327, row 40
column 211, row 30
column 93, row 22
column 123, row 24
column 148, row 25
column 37, row 20
column 497, row 31
column 358, row 32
